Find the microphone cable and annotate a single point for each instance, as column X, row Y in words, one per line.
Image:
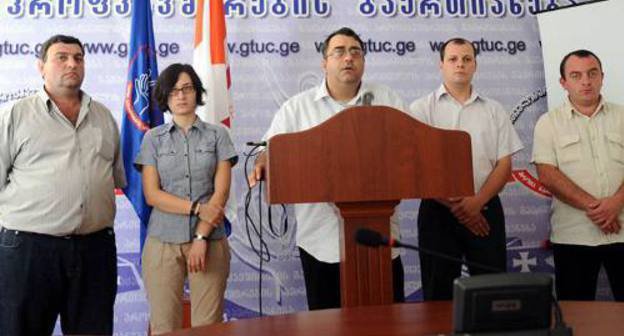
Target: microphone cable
column 373, row 238
column 261, row 250
column 560, row 328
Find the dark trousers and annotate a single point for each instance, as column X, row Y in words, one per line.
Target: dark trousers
column 322, row 281
column 577, row 268
column 440, row 231
column 43, row 276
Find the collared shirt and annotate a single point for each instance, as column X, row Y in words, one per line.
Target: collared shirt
column 186, row 166
column 590, row 152
column 318, row 223
column 57, row 178
column 492, row 135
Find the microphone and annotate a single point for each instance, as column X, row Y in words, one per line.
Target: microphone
column 367, row 99
column 257, row 144
column 373, row 238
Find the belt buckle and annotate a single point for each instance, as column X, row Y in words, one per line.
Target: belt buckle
column 3, row 229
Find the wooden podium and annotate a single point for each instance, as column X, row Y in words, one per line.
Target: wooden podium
column 365, row 160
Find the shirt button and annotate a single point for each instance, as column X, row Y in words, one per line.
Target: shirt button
column 187, row 176
column 185, row 154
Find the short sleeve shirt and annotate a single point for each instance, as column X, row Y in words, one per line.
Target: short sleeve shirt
column 590, row 152
column 492, row 135
column 186, row 166
column 57, row 178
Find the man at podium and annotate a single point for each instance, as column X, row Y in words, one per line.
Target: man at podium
column 318, row 223
column 468, row 227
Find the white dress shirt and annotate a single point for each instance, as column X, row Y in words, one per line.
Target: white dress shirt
column 492, row 135
column 318, row 223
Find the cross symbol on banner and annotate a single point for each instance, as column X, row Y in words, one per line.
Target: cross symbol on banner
column 524, row 262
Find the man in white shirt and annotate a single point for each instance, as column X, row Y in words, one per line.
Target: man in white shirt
column 465, row 227
column 318, row 223
column 578, row 150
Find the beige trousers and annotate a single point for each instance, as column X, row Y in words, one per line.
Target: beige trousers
column 164, row 272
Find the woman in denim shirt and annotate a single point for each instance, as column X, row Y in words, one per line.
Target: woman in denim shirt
column 186, row 167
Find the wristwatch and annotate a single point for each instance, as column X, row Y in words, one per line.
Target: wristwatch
column 200, row 237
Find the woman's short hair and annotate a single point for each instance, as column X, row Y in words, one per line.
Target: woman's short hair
column 167, row 80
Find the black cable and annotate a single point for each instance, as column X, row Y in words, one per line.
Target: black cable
column 268, row 255
column 283, row 219
column 560, row 328
column 250, row 224
column 261, row 250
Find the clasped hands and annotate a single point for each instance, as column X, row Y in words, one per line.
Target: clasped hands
column 467, row 210
column 605, row 212
column 211, row 213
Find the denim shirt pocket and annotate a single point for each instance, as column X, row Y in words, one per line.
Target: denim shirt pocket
column 167, row 161
column 206, row 158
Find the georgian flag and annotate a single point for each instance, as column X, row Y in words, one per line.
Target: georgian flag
column 210, row 61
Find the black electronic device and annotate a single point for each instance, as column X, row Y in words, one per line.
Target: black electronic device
column 505, row 302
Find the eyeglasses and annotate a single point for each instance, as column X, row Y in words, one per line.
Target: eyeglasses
column 341, row 52
column 185, row 90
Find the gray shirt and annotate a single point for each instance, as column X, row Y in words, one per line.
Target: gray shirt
column 186, row 166
column 57, row 178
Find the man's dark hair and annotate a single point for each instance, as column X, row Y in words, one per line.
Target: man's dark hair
column 456, row 40
column 346, row 31
column 58, row 39
column 581, row 53
column 167, row 81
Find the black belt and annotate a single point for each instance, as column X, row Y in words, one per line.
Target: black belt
column 101, row 233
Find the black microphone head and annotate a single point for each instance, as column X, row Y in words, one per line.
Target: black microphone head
column 369, row 237
column 258, row 144
column 367, row 98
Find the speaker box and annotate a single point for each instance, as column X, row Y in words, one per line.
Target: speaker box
column 502, row 302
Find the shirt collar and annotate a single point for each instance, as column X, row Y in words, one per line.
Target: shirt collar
column 44, row 97
column 571, row 110
column 170, row 126
column 323, row 93
column 85, row 99
column 442, row 92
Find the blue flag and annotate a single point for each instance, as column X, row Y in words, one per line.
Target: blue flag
column 140, row 113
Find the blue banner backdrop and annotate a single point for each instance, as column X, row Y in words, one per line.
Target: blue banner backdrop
column 274, row 53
